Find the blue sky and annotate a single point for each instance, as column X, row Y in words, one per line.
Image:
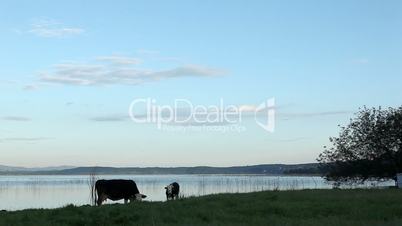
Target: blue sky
column 67, row 64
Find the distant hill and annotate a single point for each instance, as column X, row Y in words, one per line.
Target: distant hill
column 4, row 168
column 267, row 169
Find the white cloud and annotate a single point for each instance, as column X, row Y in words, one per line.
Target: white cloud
column 50, row 28
column 108, row 70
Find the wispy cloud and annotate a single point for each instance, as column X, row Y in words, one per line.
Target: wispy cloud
column 2, row 81
column 110, row 118
column 156, row 55
column 49, row 28
column 16, row 118
column 148, row 52
column 120, row 60
column 291, row 139
column 126, row 118
column 287, row 116
column 30, row 87
column 25, row 139
column 247, row 108
column 119, row 70
column 360, row 61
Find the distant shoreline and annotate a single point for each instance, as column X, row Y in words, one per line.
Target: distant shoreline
column 308, row 169
column 100, row 175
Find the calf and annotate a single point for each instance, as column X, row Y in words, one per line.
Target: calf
column 172, row 191
column 116, row 190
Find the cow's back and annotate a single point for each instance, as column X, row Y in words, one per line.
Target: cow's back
column 176, row 188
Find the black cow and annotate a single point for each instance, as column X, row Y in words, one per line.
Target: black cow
column 172, row 191
column 116, row 190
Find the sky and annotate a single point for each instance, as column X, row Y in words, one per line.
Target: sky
column 71, row 69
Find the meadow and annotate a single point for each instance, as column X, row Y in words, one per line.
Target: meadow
column 335, row 207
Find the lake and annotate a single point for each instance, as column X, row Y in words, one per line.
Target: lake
column 40, row 191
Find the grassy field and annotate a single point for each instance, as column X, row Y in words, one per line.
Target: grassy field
column 307, row 207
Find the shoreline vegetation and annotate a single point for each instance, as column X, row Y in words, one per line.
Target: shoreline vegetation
column 264, row 169
column 304, row 207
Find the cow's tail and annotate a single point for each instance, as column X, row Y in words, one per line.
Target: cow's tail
column 96, row 195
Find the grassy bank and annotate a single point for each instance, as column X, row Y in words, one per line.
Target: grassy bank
column 308, row 207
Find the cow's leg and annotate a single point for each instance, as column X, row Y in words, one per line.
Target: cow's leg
column 99, row 201
column 102, row 197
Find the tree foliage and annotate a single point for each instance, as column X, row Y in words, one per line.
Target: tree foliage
column 370, row 147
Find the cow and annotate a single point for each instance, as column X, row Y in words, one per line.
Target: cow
column 172, row 191
column 116, row 190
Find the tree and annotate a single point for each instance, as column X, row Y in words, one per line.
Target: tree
column 369, row 148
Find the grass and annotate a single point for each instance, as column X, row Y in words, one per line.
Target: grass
column 380, row 207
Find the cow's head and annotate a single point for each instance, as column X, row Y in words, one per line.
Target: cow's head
column 169, row 189
column 139, row 197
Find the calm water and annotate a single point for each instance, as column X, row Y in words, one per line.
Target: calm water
column 21, row 192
